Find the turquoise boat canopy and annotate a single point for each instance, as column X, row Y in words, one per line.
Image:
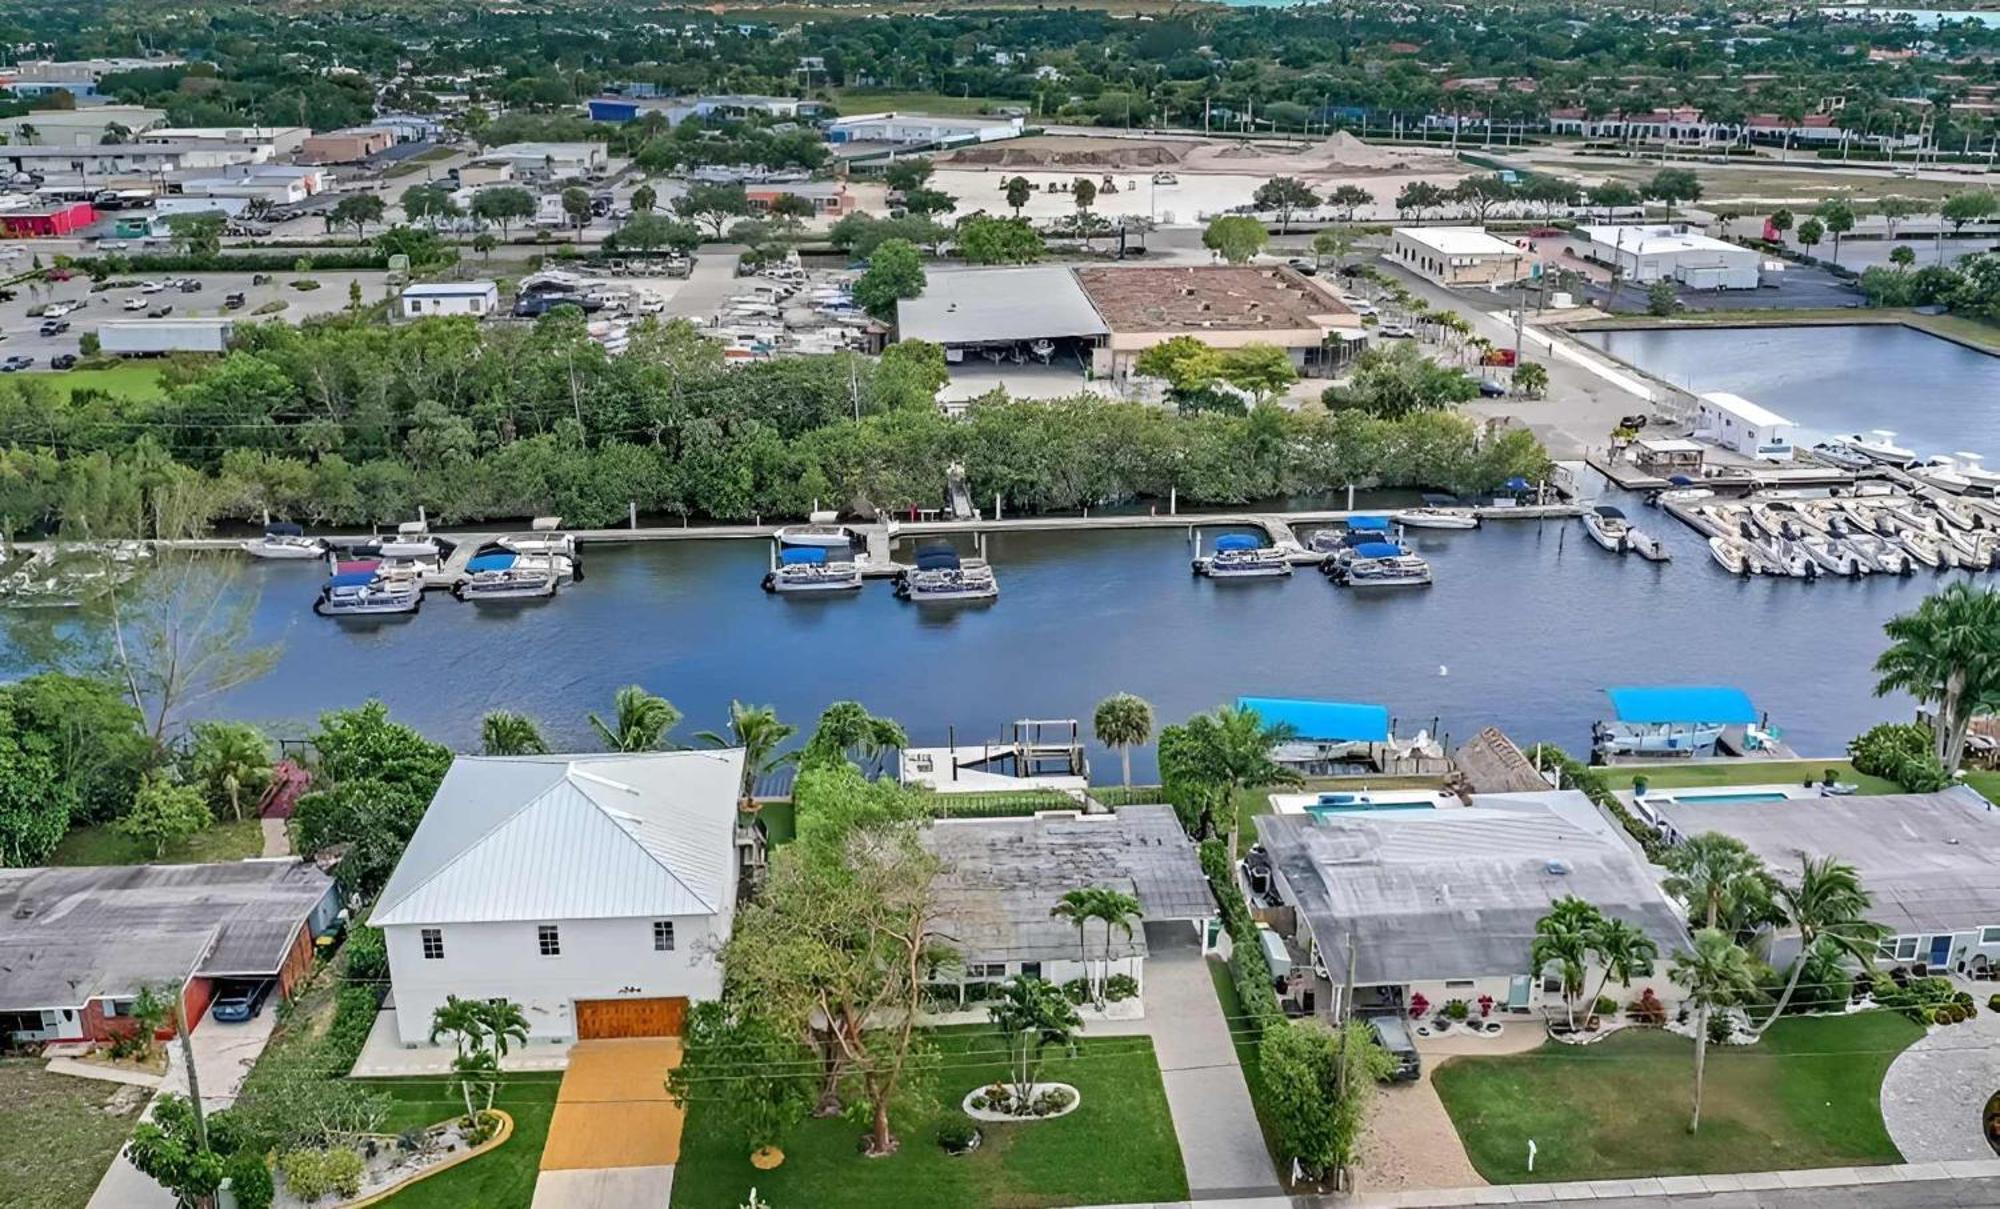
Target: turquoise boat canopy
column 1697, row 703
column 1368, row 524
column 1325, row 721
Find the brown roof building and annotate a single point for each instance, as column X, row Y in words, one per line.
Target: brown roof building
column 1223, row 306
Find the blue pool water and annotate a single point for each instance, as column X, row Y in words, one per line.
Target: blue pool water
column 1709, row 799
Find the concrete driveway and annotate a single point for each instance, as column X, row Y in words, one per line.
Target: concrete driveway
column 616, row 1134
column 1934, row 1094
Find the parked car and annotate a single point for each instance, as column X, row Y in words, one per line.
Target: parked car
column 54, row 327
column 233, row 302
column 1396, row 331
column 189, row 285
column 161, row 311
column 57, row 310
column 239, row 1001
column 152, row 287
column 1489, row 389
column 1393, row 1035
column 135, row 303
column 15, row 364
column 1305, row 267
column 63, row 361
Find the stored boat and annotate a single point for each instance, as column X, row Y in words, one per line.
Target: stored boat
column 285, row 540
column 1881, row 553
column 1437, row 518
column 1648, row 547
column 1607, row 527
column 1880, row 446
column 1731, row 554
column 546, row 537
column 412, row 540
column 361, row 593
column 941, row 576
column 1957, row 514
column 504, row 576
column 1380, row 565
column 1841, row 455
column 1240, row 556
column 1832, row 556
column 807, row 569
column 822, row 531
column 1924, row 549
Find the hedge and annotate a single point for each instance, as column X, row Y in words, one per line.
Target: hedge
column 228, row 262
column 1246, row 954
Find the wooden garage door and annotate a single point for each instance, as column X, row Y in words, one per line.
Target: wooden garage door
column 598, row 1018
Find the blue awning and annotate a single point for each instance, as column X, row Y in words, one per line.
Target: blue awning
column 1517, row 483
column 1698, row 703
column 1237, row 541
column 795, row 556
column 490, row 562
column 1332, row 721
column 937, row 558
column 1378, row 550
column 1368, row 524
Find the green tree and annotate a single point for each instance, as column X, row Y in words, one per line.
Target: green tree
column 1348, row 199
column 1480, row 194
column 1902, row 256
column 1946, row 654
column 1672, row 185
column 1334, row 243
column 92, row 735
column 644, row 198
column 640, row 721
column 230, row 759
column 1967, row 206
column 1260, row 368
column 1398, row 380
column 1317, row 1087
column 790, row 210
column 1211, row 758
column 847, row 733
column 429, row 203
column 197, row 235
column 1018, row 193
column 1623, row 953
column 503, row 206
column 749, row 1076
column 1716, row 975
column 482, row 1031
column 907, row 173
column 576, row 207
column 894, row 272
column 1837, row 215
column 1829, row 909
column 1083, row 194
column 172, row 1147
column 1123, row 721
column 1662, row 298
column 372, row 782
column 1565, row 939
column 1781, row 221
column 164, row 814
column 647, row 231
column 1722, row 882
column 713, row 204
column 1810, row 232
column 755, row 729
column 34, row 805
column 1894, row 208
column 984, row 240
column 484, row 243
column 1031, row 1015
column 506, row 733
column 1612, row 196
column 1531, row 378
column 1420, row 198
column 1236, row 238
column 1285, row 195
column 357, row 210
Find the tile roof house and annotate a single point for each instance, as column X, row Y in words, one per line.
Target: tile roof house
column 590, row 889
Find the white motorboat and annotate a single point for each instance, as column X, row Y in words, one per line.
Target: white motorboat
column 1607, row 527
column 282, row 540
column 1648, row 547
column 1832, row 556
column 545, row 537
column 362, row 592
column 1924, row 549
column 1730, row 554
column 1239, row 556
column 1841, row 455
column 1879, row 445
column 807, row 569
column 941, row 576
column 822, row 531
column 1883, row 554
column 1982, row 479
column 1944, row 472
column 501, row 575
column 1378, row 564
column 1437, row 518
column 1957, row 514
column 1776, row 556
column 412, row 540
column 1680, row 495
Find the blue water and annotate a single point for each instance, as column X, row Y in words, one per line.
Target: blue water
column 1526, row 625
column 1710, row 799
column 1936, row 396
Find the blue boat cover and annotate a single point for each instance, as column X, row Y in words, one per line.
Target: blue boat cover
column 1237, row 541
column 936, row 558
column 1368, row 524
column 1607, row 510
column 1517, row 483
column 799, row 556
column 490, row 562
column 350, row 579
column 1330, row 721
column 1697, row 703
column 1378, row 550
column 1681, row 480
column 283, row 529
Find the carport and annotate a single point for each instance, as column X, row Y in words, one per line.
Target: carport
column 1032, row 315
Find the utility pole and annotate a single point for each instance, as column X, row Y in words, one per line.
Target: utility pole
column 194, row 1078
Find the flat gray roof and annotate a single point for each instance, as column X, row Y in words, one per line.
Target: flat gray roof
column 1455, row 893
column 979, row 306
column 1927, row 859
column 68, row 935
column 1002, row 876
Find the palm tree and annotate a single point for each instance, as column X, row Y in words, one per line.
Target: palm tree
column 1716, row 974
column 1947, row 655
column 1116, row 910
column 755, row 729
column 1625, row 953
column 464, row 1020
column 1123, row 721
column 231, row 757
column 1564, row 938
column 506, row 733
column 1827, row 905
column 504, row 1021
column 1718, row 877
column 1077, row 908
column 847, row 729
column 1217, row 755
column 641, row 721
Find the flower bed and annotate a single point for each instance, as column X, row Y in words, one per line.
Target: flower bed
column 1045, row 1102
column 391, row 1163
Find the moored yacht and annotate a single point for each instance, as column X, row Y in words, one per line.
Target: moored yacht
column 1437, row 518
column 412, row 540
column 808, row 569
column 823, row 530
column 1879, row 445
column 283, row 539
column 361, row 591
column 1241, row 556
column 1607, row 527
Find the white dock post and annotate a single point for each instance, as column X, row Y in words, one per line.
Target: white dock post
column 1174, row 500
column 421, row 518
column 996, row 505
column 632, row 514
column 1350, row 497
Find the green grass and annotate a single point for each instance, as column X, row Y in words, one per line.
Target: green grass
column 417, row 162
column 133, row 381
column 56, row 1140
column 853, row 101
column 501, row 1179
column 1117, row 1147
column 1986, row 783
column 1808, row 1095
column 1744, row 772
column 100, row 845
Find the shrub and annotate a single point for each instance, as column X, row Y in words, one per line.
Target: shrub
column 956, row 1135
column 1076, row 990
column 305, row 283
column 1720, row 1028
column 1053, row 1100
column 1459, row 1009
column 1120, row 987
column 250, row 1180
column 978, row 992
column 1605, row 1006
column 1993, row 1004
column 367, row 954
column 313, row 1174
column 1904, row 752
column 483, row 1127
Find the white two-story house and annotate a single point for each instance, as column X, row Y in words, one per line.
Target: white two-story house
column 593, row 890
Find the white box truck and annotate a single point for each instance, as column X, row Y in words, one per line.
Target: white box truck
column 156, row 337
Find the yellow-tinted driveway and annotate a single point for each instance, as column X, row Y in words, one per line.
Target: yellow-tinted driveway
column 613, row 1110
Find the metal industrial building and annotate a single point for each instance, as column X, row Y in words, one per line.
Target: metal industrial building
column 1671, row 253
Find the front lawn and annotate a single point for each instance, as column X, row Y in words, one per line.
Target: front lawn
column 1808, row 1095
column 503, row 1178
column 132, row 380
column 1117, row 1147
column 56, row 1137
column 100, row 845
column 1744, row 772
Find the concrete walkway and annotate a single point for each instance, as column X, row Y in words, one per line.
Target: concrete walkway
column 1934, row 1094
column 277, row 837
column 1221, row 1145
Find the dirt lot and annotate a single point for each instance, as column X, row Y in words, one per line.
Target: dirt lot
column 1333, row 160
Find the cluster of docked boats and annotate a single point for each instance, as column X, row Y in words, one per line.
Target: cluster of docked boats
column 64, row 575
column 1610, row 528
column 1367, row 553
column 1849, row 536
column 390, row 574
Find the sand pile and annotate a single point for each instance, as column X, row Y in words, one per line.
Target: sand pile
column 1058, row 152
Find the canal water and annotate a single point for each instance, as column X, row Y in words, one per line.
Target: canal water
column 1938, row 397
column 1527, row 624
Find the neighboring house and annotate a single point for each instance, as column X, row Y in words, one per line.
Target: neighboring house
column 1458, row 255
column 451, row 298
column 552, row 161
column 593, row 890
column 1926, row 861
column 1443, row 900
column 1002, row 876
column 829, row 199
column 78, row 944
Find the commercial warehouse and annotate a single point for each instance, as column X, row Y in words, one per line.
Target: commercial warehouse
column 1457, row 255
column 1671, row 253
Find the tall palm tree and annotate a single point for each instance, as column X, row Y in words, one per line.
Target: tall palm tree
column 847, row 730
column 1123, row 721
column 1827, row 905
column 1116, row 910
column 1625, row 953
column 506, row 733
column 1217, row 755
column 640, row 722
column 1946, row 654
column 755, row 729
column 1718, row 877
column 504, row 1021
column 1077, row 908
column 1716, row 974
column 1564, row 938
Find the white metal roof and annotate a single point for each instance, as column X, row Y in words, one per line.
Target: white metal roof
column 1460, row 241
column 1743, row 409
column 450, row 289
column 1659, row 241
column 972, row 306
column 572, row 837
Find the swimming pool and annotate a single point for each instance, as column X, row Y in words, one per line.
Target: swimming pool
column 1362, row 804
column 1693, row 799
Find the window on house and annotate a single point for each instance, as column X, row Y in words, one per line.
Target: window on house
column 433, row 942
column 1989, row 936
column 1458, row 984
column 549, row 938
column 1031, row 969
column 663, row 935
column 1552, row 985
column 985, row 969
column 118, row 1007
